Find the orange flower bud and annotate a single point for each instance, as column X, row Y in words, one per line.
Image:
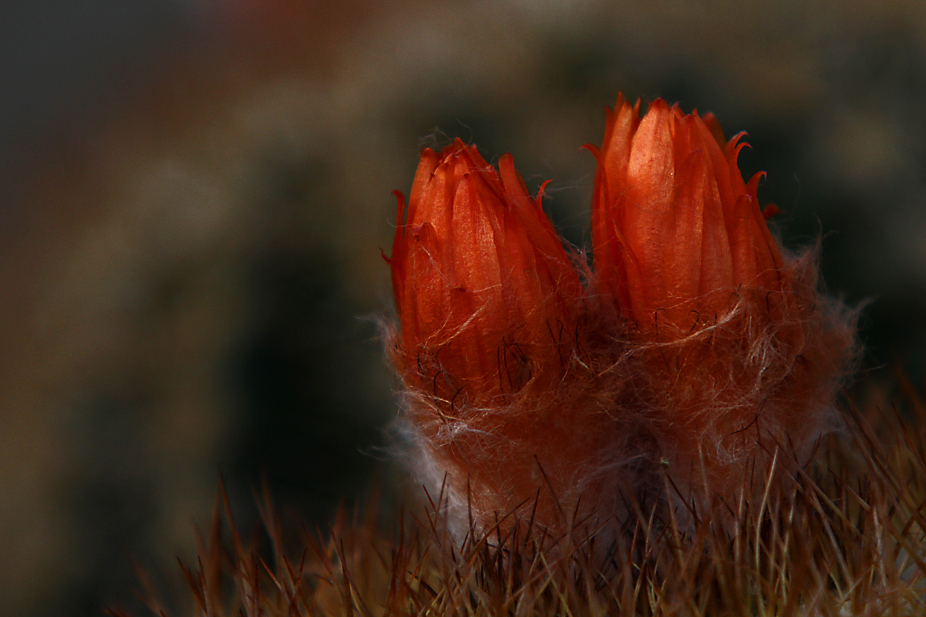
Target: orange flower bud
column 483, row 286
column 675, row 229
column 488, row 302
column 738, row 353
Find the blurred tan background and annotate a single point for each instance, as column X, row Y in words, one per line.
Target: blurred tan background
column 193, row 196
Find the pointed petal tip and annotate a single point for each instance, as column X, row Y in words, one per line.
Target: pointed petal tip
column 752, row 187
column 713, row 125
column 595, row 150
column 512, row 181
column 735, row 140
column 400, row 208
column 659, row 104
column 621, row 105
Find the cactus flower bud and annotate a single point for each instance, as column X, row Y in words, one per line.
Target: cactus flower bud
column 740, row 356
column 483, row 286
column 488, row 301
column 675, row 228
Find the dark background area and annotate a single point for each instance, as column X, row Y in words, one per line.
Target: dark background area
column 193, row 196
column 56, row 57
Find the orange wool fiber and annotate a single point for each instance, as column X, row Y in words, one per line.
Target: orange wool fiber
column 694, row 354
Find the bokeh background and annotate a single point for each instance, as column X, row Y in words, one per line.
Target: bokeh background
column 194, row 195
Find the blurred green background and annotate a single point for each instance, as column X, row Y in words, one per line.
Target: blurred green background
column 194, row 195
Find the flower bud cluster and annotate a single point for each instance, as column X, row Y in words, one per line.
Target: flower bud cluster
column 689, row 357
